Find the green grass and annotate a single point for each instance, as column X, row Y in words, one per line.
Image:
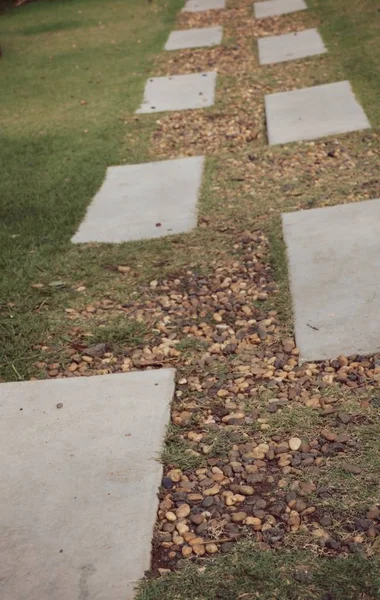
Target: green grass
column 250, row 574
column 55, row 149
column 178, row 453
column 351, row 30
column 119, row 332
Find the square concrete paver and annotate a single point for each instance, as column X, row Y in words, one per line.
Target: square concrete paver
column 79, row 484
column 281, row 48
column 144, row 201
column 200, row 5
column 194, row 38
column 271, row 8
column 334, row 261
column 179, row 92
column 313, row 112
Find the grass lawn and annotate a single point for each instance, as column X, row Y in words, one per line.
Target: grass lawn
column 70, row 73
column 213, row 303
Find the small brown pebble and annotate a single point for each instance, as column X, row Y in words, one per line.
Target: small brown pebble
column 350, row 468
column 254, row 522
column 178, row 540
column 238, row 517
column 186, row 551
column 175, row 475
column 373, row 513
column 170, row 516
column 328, row 435
column 215, row 489
column 197, row 519
column 195, row 541
column 199, row 549
column 312, row 403
column 211, row 548
column 182, row 511
column 246, row 490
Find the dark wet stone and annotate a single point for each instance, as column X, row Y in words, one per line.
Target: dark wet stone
column 167, row 483
column 325, row 521
column 260, row 503
column 179, row 497
column 201, row 528
column 208, row 501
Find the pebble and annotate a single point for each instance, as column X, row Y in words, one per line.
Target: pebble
column 175, row 475
column 254, row 522
column 183, row 511
column 238, row 517
column 351, row 468
column 197, row 519
column 199, row 549
column 186, row 551
column 195, row 541
column 170, row 516
column 207, row 502
column 246, row 490
column 215, row 489
column 373, row 513
column 328, row 435
column 312, row 403
column 295, row 443
column 167, row 483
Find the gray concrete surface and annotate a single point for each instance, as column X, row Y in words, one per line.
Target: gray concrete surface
column 271, row 8
column 334, row 264
column 200, row 5
column 291, row 46
column 78, row 484
column 179, row 92
column 314, row 112
column 144, row 201
column 194, row 38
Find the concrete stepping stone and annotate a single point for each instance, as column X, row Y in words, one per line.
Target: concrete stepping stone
column 79, row 483
column 148, row 200
column 334, row 258
column 313, row 112
column 272, row 8
column 179, row 92
column 194, row 38
column 201, row 5
column 281, row 48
